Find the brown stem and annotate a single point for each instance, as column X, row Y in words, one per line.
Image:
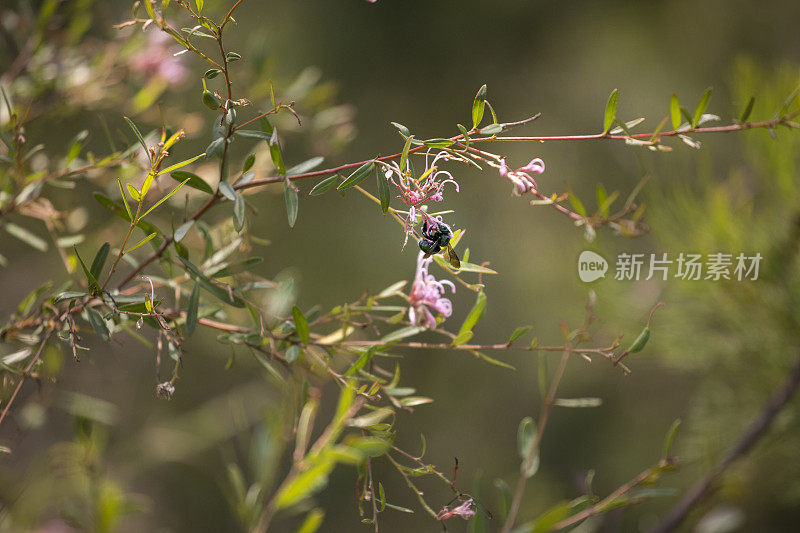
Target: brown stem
column 25, row 375
column 758, row 428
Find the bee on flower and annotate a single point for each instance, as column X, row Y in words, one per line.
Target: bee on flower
column 427, row 293
column 416, row 192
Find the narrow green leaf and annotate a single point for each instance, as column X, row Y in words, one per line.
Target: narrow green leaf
column 670, row 438
column 212, row 73
column 701, row 107
column 34, row 241
column 125, row 200
column 227, row 190
column 402, row 129
column 577, row 205
column 192, row 180
column 359, row 175
column 77, row 144
column 465, row 134
column 98, row 324
column 312, row 522
column 675, row 111
column 491, row 129
column 133, row 192
column 402, row 333
column 747, row 110
column 611, row 110
column 138, row 136
column 578, row 402
column 475, row 314
column 191, row 311
column 324, row 185
column 165, row 198
column 404, row 153
column 300, row 324
column 384, row 194
column 462, row 338
column 361, row 362
column 275, row 152
column 182, row 164
column 100, row 260
column 138, row 244
column 526, row 441
column 249, row 162
column 305, row 166
column 242, row 266
column 182, row 230
column 478, row 106
column 519, row 332
column 69, row 295
column 238, row 213
column 207, row 284
column 291, row 201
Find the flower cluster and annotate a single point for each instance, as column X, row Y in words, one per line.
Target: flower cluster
column 414, row 192
column 521, row 178
column 157, row 59
column 466, row 511
column 427, row 293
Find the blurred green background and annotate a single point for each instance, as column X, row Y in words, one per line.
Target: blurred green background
column 718, row 349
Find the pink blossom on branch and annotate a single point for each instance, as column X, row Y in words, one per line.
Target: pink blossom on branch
column 466, row 511
column 521, row 178
column 427, row 293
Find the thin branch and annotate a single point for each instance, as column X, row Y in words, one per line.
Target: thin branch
column 758, row 429
column 25, row 375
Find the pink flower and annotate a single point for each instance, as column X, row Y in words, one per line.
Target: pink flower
column 414, row 192
column 157, row 59
column 428, row 294
column 521, row 178
column 466, row 511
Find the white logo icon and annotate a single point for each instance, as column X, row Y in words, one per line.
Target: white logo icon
column 591, row 266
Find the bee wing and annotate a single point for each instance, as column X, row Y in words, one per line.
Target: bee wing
column 451, row 257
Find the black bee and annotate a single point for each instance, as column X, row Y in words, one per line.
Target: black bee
column 436, row 238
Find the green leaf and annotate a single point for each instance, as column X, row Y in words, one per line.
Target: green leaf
column 359, row 175
column 324, row 185
column 230, row 57
column 77, row 144
column 241, row 266
column 438, row 143
column 526, row 440
column 120, row 212
column 227, row 190
column 191, row 311
column 474, row 315
column 305, row 166
column 182, row 164
column 670, row 438
column 249, row 162
column 701, row 107
column 138, row 244
column 675, row 112
column 747, row 110
column 402, row 129
column 192, row 180
column 402, row 333
column 465, row 134
column 611, row 111
column 491, row 129
column 478, row 106
column 182, row 230
column 577, row 205
column 26, row 236
column 307, row 482
column 275, row 151
column 384, row 194
column 238, row 213
column 291, row 201
column 578, row 402
column 165, row 198
column 207, row 284
column 125, row 200
column 212, row 73
column 98, row 324
column 138, row 136
column 100, row 260
column 493, row 361
column 503, row 496
column 133, row 192
column 300, row 324
column 363, row 359
column 312, row 522
column 519, row 332
column 462, row 338
column 69, row 295
column 292, row 353
column 404, row 153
